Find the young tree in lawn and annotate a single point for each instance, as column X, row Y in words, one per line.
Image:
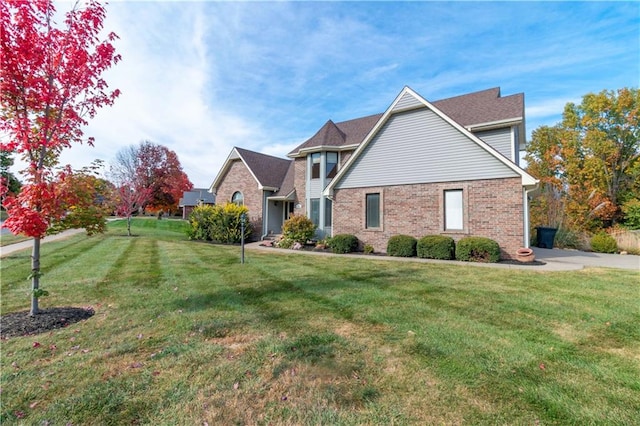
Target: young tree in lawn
column 51, row 85
column 158, row 168
column 91, row 199
column 131, row 195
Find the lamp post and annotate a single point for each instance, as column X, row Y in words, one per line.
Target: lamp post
column 243, row 218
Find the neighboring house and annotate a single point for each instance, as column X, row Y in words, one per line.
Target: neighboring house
column 448, row 167
column 195, row 197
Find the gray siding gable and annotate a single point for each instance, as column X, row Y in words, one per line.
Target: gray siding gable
column 418, row 146
column 500, row 140
column 407, row 101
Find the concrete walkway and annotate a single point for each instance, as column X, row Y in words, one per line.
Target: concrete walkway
column 554, row 259
column 24, row 245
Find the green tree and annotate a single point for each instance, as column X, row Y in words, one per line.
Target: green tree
column 12, row 184
column 588, row 164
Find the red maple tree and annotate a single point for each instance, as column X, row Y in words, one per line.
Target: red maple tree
column 51, row 84
column 159, row 169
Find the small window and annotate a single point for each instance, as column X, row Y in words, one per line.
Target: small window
column 237, row 198
column 315, row 165
column 315, row 211
column 327, row 212
column 373, row 210
column 332, row 164
column 453, row 210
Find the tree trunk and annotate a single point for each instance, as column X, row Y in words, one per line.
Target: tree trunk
column 35, row 276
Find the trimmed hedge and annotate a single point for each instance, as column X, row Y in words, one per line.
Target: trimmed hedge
column 343, row 243
column 604, row 243
column 436, row 247
column 402, row 246
column 478, row 249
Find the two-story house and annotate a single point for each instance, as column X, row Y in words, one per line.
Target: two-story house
column 449, row 167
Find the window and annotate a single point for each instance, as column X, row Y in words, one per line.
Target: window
column 453, row 208
column 373, row 211
column 332, row 164
column 327, row 212
column 237, row 198
column 315, row 165
column 315, row 211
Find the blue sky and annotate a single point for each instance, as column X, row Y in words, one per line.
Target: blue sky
column 202, row 77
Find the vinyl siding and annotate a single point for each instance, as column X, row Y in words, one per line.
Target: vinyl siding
column 315, row 188
column 419, row 147
column 500, row 140
column 407, row 101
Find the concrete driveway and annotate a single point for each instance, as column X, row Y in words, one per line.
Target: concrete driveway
column 587, row 259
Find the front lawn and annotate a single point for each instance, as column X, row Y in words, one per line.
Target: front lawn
column 185, row 334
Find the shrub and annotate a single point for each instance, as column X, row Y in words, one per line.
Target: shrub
column 477, row 249
column 285, row 243
column 219, row 223
column 402, row 246
column 343, row 243
column 631, row 210
column 436, row 247
column 201, row 223
column 299, row 229
column 604, row 243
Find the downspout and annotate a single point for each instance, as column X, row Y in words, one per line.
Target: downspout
column 527, row 236
column 265, row 216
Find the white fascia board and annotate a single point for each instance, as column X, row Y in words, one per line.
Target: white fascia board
column 494, row 124
column 223, row 170
column 268, row 188
column 328, row 191
column 234, row 155
column 305, row 151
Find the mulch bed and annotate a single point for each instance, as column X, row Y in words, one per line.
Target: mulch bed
column 21, row 324
column 309, row 247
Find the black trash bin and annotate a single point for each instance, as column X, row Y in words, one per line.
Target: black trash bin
column 546, row 236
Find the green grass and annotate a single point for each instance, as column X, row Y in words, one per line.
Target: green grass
column 185, row 334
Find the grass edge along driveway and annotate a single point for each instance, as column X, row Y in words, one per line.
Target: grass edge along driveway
column 184, row 334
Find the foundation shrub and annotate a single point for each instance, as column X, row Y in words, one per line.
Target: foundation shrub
column 299, row 229
column 477, row 249
column 436, row 247
column 402, row 246
column 604, row 243
column 343, row 243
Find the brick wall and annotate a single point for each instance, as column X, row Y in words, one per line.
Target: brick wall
column 492, row 208
column 299, row 182
column 238, row 178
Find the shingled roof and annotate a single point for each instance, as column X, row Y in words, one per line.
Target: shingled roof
column 287, row 188
column 345, row 133
column 483, row 107
column 268, row 170
column 195, row 196
column 486, row 106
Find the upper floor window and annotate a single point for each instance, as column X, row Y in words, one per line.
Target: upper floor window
column 315, row 165
column 237, row 198
column 331, row 164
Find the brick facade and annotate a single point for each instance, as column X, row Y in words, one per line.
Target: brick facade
column 238, row 178
column 492, row 208
column 300, row 183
